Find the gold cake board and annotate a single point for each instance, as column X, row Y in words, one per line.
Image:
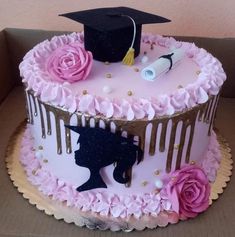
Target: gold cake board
column 91, row 220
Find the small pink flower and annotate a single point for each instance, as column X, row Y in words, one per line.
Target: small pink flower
column 70, row 63
column 189, row 191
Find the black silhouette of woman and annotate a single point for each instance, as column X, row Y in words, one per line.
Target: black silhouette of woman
column 100, row 148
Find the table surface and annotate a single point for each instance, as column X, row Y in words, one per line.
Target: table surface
column 20, row 218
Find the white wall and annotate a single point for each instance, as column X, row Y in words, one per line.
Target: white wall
column 213, row 18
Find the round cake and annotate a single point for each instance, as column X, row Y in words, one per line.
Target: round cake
column 105, row 140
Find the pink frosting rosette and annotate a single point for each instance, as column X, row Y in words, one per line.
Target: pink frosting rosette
column 189, row 191
column 70, row 63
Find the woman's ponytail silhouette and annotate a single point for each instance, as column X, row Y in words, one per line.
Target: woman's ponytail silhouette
column 100, row 148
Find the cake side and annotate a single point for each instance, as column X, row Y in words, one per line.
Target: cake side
column 156, row 203
column 168, row 142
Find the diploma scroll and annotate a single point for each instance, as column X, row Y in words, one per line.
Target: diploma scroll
column 162, row 65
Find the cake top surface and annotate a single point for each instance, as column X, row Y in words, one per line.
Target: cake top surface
column 114, row 90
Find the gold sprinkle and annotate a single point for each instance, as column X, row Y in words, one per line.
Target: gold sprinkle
column 173, row 178
column 84, row 92
column 129, row 93
column 108, row 75
column 106, row 63
column 198, row 72
column 157, row 172
column 192, row 162
column 45, row 161
column 40, row 148
column 151, row 47
column 156, row 191
column 180, row 86
column 33, row 149
column 136, row 69
column 176, row 146
column 144, row 183
column 34, row 172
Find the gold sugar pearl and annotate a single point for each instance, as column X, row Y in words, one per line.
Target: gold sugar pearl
column 198, row 72
column 106, row 63
column 129, row 93
column 40, row 148
column 84, row 92
column 156, row 191
column 45, row 161
column 180, row 86
column 34, row 172
column 192, row 162
column 136, row 69
column 157, row 172
column 176, row 146
column 108, row 75
column 144, row 183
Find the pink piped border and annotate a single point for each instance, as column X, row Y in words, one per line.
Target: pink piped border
column 153, row 204
column 36, row 78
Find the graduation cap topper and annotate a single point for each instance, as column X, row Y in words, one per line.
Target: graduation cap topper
column 110, row 32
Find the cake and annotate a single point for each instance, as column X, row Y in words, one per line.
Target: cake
column 111, row 140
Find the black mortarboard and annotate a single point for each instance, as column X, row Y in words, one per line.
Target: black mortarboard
column 109, row 32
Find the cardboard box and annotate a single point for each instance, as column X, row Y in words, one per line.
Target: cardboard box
column 19, row 218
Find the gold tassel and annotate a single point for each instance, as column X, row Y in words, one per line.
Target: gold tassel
column 129, row 57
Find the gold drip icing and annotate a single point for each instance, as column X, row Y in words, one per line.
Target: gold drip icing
column 202, row 112
column 59, row 115
column 181, row 145
column 163, row 136
column 58, row 134
column 213, row 114
column 171, row 146
column 27, row 107
column 208, row 111
column 35, row 106
column 97, row 121
column 152, row 146
column 67, row 135
column 30, row 109
column 79, row 120
column 87, row 121
column 42, row 119
column 192, row 126
column 48, row 122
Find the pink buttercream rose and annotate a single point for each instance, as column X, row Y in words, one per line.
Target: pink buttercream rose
column 70, row 63
column 189, row 191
